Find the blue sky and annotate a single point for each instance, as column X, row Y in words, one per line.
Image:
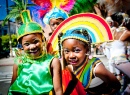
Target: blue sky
column 3, row 12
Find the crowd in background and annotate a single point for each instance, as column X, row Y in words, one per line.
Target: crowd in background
column 117, row 51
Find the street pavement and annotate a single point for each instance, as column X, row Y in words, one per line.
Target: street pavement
column 6, row 61
column 6, row 66
column 5, row 74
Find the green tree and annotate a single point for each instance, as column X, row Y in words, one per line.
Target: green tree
column 5, row 41
column 16, row 9
column 14, row 40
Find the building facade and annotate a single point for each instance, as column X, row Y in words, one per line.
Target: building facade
column 4, row 30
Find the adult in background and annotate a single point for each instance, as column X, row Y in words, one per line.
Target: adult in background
column 118, row 50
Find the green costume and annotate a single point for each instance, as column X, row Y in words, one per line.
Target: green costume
column 34, row 77
column 33, row 74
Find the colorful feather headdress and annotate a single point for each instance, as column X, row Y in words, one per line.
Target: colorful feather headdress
column 66, row 5
column 70, row 7
column 55, row 13
column 50, row 8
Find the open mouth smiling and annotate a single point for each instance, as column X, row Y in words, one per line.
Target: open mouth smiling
column 34, row 51
column 73, row 61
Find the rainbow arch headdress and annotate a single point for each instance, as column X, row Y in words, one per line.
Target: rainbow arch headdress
column 96, row 26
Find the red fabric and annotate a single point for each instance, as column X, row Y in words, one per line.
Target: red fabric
column 66, row 78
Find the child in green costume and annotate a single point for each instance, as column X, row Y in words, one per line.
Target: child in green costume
column 36, row 72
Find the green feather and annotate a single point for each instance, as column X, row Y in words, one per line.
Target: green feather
column 83, row 6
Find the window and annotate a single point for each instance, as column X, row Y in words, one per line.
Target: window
column 5, row 32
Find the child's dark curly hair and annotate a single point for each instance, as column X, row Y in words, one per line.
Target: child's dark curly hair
column 118, row 17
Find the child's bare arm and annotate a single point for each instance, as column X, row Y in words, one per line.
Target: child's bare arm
column 109, row 78
column 14, row 76
column 57, row 76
